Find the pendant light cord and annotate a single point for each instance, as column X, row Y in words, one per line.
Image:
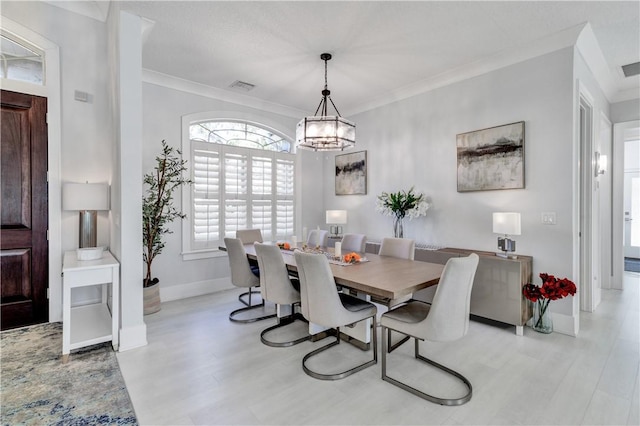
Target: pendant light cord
column 326, row 93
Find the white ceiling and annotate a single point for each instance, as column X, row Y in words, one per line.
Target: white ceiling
column 381, row 49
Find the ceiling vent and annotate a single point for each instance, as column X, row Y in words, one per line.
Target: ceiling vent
column 242, row 85
column 630, row 70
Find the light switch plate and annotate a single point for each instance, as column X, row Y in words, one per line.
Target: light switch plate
column 549, row 218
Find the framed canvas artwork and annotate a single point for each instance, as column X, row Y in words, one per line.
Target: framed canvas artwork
column 351, row 173
column 491, row 158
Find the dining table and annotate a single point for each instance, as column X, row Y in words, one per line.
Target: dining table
column 380, row 279
column 384, row 278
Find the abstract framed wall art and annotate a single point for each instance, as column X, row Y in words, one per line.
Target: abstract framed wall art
column 351, row 173
column 491, row 158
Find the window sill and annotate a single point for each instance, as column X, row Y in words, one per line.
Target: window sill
column 202, row 254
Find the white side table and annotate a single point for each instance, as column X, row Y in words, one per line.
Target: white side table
column 95, row 323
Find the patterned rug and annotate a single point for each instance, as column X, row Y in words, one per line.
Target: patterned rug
column 38, row 389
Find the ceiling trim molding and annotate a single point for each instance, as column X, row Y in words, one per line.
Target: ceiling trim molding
column 95, row 9
column 516, row 54
column 147, row 27
column 587, row 45
column 175, row 83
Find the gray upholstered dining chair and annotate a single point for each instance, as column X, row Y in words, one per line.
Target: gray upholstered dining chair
column 249, row 236
column 401, row 248
column 242, row 276
column 354, row 242
column 278, row 287
column 323, row 305
column 445, row 320
column 317, row 238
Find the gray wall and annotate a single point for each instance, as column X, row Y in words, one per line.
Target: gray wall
column 625, row 111
column 162, row 119
column 410, row 142
column 413, row 143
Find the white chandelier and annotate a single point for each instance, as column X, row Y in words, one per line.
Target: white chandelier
column 325, row 132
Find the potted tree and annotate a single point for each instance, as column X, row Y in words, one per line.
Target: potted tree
column 158, row 211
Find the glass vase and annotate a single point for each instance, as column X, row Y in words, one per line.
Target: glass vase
column 398, row 230
column 541, row 321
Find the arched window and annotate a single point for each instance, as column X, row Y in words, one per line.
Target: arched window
column 239, row 133
column 243, row 178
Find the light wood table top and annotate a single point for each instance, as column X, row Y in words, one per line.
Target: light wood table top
column 382, row 276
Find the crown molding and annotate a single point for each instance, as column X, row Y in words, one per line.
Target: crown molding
column 588, row 46
column 175, row 83
column 95, row 9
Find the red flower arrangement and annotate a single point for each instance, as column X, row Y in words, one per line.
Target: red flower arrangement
column 552, row 289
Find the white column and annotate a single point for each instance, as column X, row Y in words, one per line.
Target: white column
column 127, row 176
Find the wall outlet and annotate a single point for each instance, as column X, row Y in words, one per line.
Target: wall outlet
column 549, row 218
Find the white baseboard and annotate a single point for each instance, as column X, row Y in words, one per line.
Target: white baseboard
column 132, row 337
column 565, row 324
column 197, row 288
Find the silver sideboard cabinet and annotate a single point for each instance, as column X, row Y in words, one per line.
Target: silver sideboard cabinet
column 497, row 287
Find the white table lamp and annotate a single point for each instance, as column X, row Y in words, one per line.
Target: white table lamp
column 336, row 218
column 87, row 198
column 506, row 223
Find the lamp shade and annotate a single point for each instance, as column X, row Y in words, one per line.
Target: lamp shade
column 338, row 217
column 506, row 223
column 85, row 196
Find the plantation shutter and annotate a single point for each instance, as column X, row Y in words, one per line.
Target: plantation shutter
column 262, row 195
column 206, row 197
column 285, row 168
column 236, row 184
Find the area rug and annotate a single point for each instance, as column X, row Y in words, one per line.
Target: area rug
column 631, row 264
column 38, row 389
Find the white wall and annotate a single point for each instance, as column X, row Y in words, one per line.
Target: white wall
column 413, row 143
column 163, row 110
column 599, row 252
column 86, row 127
column 87, row 131
column 416, row 146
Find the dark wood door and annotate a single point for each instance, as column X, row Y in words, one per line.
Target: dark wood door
column 23, row 202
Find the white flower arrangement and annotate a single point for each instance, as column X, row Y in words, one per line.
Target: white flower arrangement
column 402, row 204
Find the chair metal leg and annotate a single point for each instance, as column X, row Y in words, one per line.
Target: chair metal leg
column 232, row 315
column 247, row 293
column 342, row 375
column 393, row 347
column 442, row 401
column 282, row 322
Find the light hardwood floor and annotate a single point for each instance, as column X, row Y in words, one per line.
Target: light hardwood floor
column 199, row 368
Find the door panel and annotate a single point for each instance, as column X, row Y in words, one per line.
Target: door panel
column 24, row 203
column 16, row 284
column 16, row 166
